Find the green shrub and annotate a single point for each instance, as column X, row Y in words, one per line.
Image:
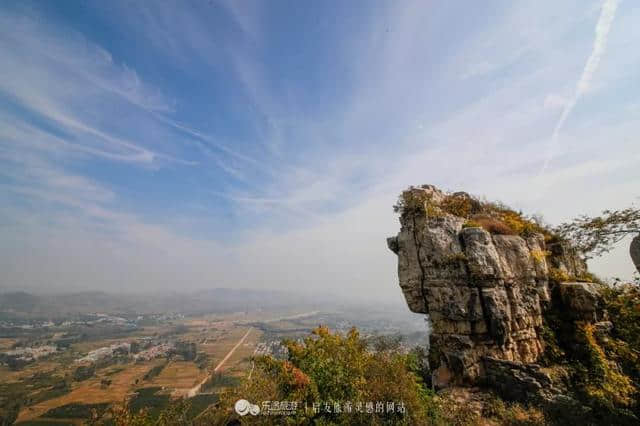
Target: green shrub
column 471, row 224
column 412, row 201
column 331, row 368
column 149, row 400
column 553, row 353
column 603, row 369
column 199, row 403
column 77, row 411
column 218, row 381
column 605, row 382
column 623, row 304
column 558, row 275
column 513, row 413
column 461, row 205
column 154, row 372
column 539, row 256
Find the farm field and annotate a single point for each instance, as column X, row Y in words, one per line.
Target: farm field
column 92, row 392
column 179, row 376
column 215, row 339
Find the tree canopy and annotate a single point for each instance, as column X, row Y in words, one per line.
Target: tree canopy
column 336, row 379
column 597, row 235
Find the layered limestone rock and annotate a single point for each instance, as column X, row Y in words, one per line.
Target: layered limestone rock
column 484, row 292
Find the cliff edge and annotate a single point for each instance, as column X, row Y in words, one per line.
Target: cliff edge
column 485, row 275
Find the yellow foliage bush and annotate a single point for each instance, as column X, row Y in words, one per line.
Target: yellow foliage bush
column 607, row 383
column 333, row 368
column 539, row 256
column 460, row 206
column 558, row 275
column 471, row 224
column 496, row 218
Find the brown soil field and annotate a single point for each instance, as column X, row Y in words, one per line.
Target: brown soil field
column 197, row 323
column 179, row 376
column 7, row 375
column 91, row 392
column 240, row 360
column 6, row 343
column 219, row 347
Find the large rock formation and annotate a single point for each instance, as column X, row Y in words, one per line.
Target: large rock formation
column 484, row 292
column 634, row 251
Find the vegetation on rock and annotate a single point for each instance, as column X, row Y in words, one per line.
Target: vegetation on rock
column 602, row 365
column 494, row 217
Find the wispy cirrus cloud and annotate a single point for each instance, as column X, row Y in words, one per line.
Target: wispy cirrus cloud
column 247, row 148
column 63, row 80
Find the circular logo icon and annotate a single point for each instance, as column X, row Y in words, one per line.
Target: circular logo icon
column 242, row 407
column 254, row 410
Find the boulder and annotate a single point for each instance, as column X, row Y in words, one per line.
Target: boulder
column 634, row 251
column 567, row 259
column 582, row 300
column 518, row 382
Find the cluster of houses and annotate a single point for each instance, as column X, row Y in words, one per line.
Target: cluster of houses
column 142, row 350
column 106, row 352
column 32, row 353
column 36, row 324
column 81, row 320
column 132, row 349
column 100, row 319
column 273, row 348
column 157, row 351
column 19, row 357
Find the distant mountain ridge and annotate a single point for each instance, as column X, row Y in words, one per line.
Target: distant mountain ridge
column 25, row 304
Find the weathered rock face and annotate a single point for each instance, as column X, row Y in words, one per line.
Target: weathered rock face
column 634, row 251
column 582, row 299
column 484, row 293
column 525, row 382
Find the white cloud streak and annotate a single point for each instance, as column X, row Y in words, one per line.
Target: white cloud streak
column 73, row 84
column 607, row 14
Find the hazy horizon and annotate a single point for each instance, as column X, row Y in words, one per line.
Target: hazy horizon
column 223, row 144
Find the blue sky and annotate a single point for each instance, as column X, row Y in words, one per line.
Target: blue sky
column 261, row 144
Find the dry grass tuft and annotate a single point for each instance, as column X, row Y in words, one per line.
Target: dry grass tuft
column 493, row 225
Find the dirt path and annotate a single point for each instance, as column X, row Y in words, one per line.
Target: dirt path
column 194, row 390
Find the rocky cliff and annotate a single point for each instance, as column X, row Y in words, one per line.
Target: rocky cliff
column 634, row 251
column 485, row 275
